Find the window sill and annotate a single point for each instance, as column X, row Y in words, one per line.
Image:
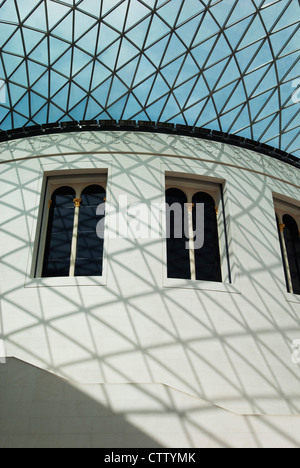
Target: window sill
column 65, row 282
column 294, row 298
column 201, row 285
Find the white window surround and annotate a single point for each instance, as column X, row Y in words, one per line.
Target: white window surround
column 287, row 206
column 190, row 185
column 52, row 180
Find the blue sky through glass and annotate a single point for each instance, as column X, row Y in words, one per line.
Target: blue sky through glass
column 228, row 65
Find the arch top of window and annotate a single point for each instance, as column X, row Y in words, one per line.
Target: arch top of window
column 191, row 187
column 77, row 182
column 286, row 208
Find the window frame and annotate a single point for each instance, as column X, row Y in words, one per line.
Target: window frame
column 190, row 184
column 289, row 207
column 60, row 178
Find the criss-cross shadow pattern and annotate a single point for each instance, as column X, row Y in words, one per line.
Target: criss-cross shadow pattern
column 230, row 349
column 231, row 66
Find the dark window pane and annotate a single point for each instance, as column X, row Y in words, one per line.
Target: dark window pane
column 282, row 254
column 59, row 234
column 178, row 257
column 292, row 241
column 89, row 260
column 207, row 259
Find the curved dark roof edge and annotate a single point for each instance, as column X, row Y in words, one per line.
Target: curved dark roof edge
column 145, row 126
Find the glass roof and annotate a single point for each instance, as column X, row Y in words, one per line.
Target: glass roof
column 227, row 65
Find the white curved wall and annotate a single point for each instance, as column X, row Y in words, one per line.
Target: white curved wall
column 229, row 345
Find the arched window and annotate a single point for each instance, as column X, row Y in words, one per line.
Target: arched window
column 59, row 233
column 89, row 258
column 178, row 257
column 292, row 242
column 207, row 258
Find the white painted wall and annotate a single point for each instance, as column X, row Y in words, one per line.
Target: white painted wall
column 229, row 345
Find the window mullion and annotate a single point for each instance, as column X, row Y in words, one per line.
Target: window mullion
column 285, row 257
column 191, row 241
column 77, row 202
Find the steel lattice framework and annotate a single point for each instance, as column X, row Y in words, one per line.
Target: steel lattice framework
column 228, row 65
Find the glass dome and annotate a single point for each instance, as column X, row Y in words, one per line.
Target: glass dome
column 227, row 65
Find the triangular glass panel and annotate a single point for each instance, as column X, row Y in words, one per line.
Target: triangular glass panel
column 36, row 102
column 76, row 95
column 169, row 12
column 264, row 57
column 107, row 37
column 220, row 51
column 255, row 32
column 132, row 108
column 40, row 53
column 55, row 11
column 7, row 30
column 127, row 73
column 38, row 16
column 41, row 86
column 15, row 44
column 201, row 52
column 214, row 73
column 101, row 73
column 41, row 115
column 117, row 91
column 110, row 55
column 144, row 70
column 8, row 12
column 208, row 28
column 222, row 96
column 88, row 41
column 236, row 32
column 269, row 82
column 56, row 82
column 84, row 77
column 35, row 71
column 244, row 56
column 290, row 140
column 93, row 109
column 137, row 12
column 80, row 60
column 117, row 17
column 64, row 29
column 116, row 109
column 291, row 14
column 183, row 92
column 186, row 67
column 82, row 24
column 189, row 9
column 257, row 104
column 160, row 88
column 242, row 9
column 61, row 98
column 63, row 65
column 208, row 114
column 142, row 90
column 16, row 93
column 25, row 8
column 127, row 53
column 77, row 112
column 237, row 98
column 155, row 110
column 138, row 33
column 242, row 121
column 187, row 31
column 157, row 30
column 57, row 48
column 55, row 114
column 19, row 120
column 11, row 63
column 200, row 91
column 271, row 106
column 252, row 79
column 101, row 93
column 271, row 130
column 221, row 11
column 175, row 50
column 89, row 7
column 155, row 52
column 20, row 75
